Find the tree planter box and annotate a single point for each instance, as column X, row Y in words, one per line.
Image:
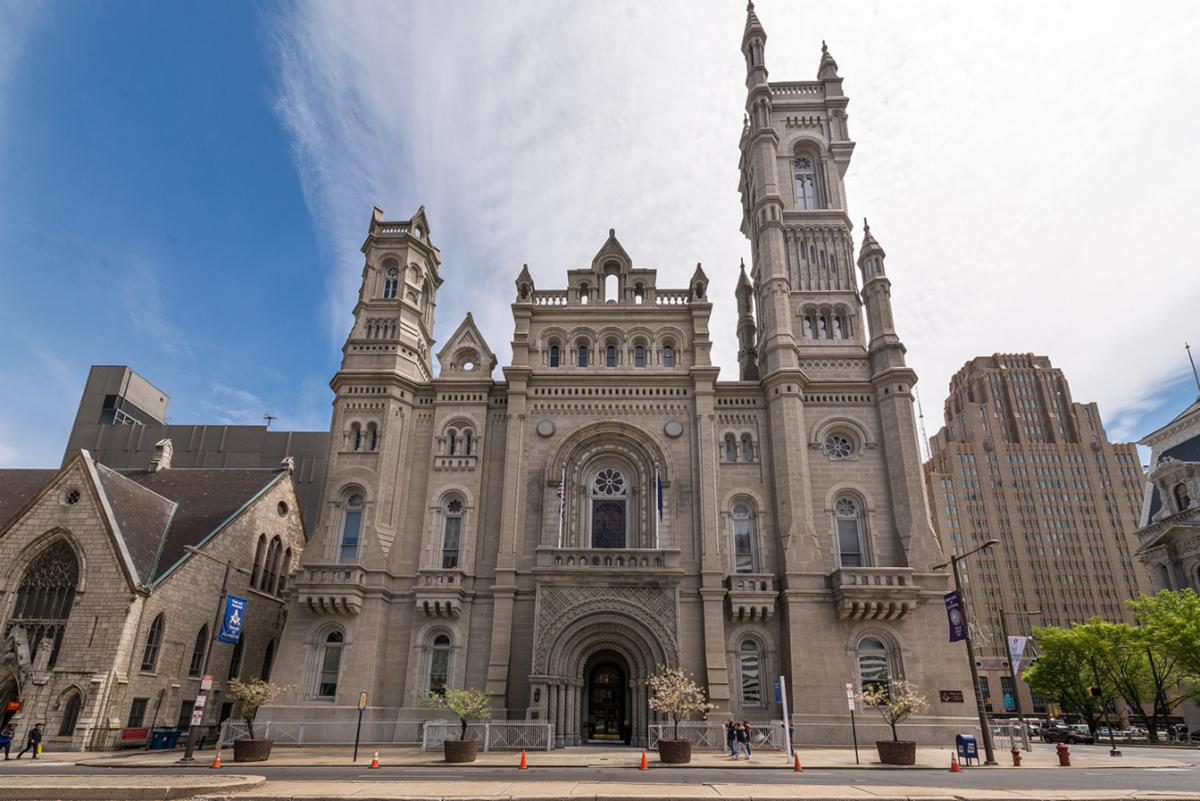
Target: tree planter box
column 675, row 752
column 460, row 750
column 892, row 752
column 251, row 750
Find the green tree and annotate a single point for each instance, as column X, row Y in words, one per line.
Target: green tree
column 466, row 705
column 1171, row 619
column 1064, row 671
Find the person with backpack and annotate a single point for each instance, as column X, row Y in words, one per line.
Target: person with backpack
column 33, row 741
column 739, row 744
column 6, row 738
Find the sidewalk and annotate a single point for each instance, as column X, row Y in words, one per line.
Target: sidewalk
column 127, row 788
column 591, row 756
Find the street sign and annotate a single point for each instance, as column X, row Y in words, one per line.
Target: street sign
column 231, row 622
column 200, row 700
column 206, row 682
column 850, row 696
column 197, row 716
column 955, row 616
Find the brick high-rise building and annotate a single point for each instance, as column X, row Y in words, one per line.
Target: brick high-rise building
column 1020, row 462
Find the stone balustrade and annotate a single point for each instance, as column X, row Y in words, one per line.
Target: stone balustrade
column 608, row 559
column 874, row 593
column 751, row 596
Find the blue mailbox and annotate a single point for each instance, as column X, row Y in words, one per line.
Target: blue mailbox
column 967, row 748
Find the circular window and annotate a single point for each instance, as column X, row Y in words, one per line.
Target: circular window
column 282, row 508
column 468, row 366
column 845, row 507
column 610, row 482
column 838, row 446
column 72, row 497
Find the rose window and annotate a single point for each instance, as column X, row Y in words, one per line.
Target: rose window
column 846, row 508
column 609, row 482
column 838, row 446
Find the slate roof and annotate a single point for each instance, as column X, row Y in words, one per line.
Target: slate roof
column 17, row 488
column 141, row 517
column 1186, row 451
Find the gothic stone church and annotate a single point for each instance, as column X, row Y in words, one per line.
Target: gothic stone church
column 611, row 507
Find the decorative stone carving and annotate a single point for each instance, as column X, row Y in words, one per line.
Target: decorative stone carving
column 673, row 429
column 545, row 428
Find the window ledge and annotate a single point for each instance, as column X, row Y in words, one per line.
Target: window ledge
column 874, row 593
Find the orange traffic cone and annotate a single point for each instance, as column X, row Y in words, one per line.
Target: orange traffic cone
column 524, row 762
column 954, row 768
column 216, row 763
column 644, row 766
column 375, row 760
column 796, row 766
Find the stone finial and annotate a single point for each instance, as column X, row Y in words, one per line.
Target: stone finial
column 161, row 460
column 828, row 70
column 288, row 463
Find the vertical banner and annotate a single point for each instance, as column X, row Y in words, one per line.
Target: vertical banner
column 1016, row 651
column 954, row 614
column 231, row 621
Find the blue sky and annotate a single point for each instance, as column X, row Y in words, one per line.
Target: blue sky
column 183, row 188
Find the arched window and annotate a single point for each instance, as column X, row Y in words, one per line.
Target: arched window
column 583, row 354
column 584, row 294
column 153, row 642
column 331, row 663
column 355, row 436
column 750, row 668
column 452, row 441
column 439, row 664
column 283, row 573
column 822, row 327
column 390, row 282
column 451, row 533
column 554, row 356
column 808, row 326
column 468, row 442
column 612, row 289
column 730, row 448
column 639, row 294
column 268, row 661
column 45, row 596
column 271, row 565
column 668, row 355
column 610, row 499
column 747, row 449
column 743, row 539
column 199, row 647
column 610, row 356
column 849, row 532
column 372, row 437
column 838, row 328
column 874, row 667
column 1182, row 499
column 258, row 559
column 235, row 658
column 70, row 716
column 639, row 355
column 351, row 526
column 804, row 171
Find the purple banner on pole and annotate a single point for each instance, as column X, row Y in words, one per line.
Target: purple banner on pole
column 954, row 613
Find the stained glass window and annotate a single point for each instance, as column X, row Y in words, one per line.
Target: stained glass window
column 44, row 598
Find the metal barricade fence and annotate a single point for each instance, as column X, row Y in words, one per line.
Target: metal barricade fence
column 493, row 735
column 327, row 732
column 769, row 736
column 710, row 735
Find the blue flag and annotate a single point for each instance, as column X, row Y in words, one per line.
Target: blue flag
column 231, row 622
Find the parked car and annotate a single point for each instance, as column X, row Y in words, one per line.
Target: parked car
column 1064, row 734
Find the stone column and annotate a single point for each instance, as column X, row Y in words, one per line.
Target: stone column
column 552, row 710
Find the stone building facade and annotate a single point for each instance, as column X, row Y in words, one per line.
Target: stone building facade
column 1020, row 462
column 1169, row 531
column 107, row 616
column 610, row 507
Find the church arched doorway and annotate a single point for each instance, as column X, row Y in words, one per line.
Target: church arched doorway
column 607, row 701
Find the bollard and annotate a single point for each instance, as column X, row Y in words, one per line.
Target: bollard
column 1064, row 755
column 1016, row 752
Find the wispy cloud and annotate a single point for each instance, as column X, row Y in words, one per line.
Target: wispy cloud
column 17, row 22
column 1025, row 202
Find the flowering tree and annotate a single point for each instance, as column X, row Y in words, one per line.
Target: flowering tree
column 466, row 705
column 896, row 703
column 250, row 696
column 673, row 693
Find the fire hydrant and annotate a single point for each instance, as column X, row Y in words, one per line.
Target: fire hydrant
column 1016, row 752
column 1064, row 755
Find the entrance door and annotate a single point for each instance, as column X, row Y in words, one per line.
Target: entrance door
column 606, row 704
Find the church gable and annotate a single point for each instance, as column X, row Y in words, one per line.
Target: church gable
column 467, row 352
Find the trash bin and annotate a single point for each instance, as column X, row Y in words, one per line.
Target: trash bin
column 967, row 748
column 172, row 738
column 158, row 740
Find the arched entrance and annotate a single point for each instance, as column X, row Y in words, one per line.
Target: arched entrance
column 606, row 699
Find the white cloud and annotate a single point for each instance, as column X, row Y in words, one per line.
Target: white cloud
column 1030, row 169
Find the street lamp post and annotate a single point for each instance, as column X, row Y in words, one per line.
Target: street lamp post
column 984, row 727
column 190, row 746
column 1012, row 672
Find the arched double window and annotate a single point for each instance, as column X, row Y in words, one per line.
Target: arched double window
column 750, row 672
column 804, row 173
column 45, row 597
column 744, row 545
column 848, row 515
column 874, row 663
column 330, row 664
column 71, row 707
column 439, row 664
column 352, row 514
column 610, row 508
column 452, row 519
column 391, row 280
column 153, row 642
column 1182, row 499
column 199, row 647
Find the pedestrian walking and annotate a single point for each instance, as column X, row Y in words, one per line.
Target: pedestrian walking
column 33, row 742
column 6, row 738
column 749, row 738
column 739, row 742
column 730, row 736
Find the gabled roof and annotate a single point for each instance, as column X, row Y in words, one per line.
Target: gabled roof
column 17, row 488
column 467, row 337
column 612, row 250
column 141, row 518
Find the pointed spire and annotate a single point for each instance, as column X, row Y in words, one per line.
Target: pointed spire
column 828, row 70
column 754, row 26
column 743, row 279
column 870, row 246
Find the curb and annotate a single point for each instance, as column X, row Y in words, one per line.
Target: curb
column 919, row 793
column 126, row 790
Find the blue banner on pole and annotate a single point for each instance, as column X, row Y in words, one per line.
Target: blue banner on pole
column 954, row 613
column 231, row 622
column 778, row 692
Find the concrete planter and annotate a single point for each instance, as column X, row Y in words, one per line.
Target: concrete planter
column 897, row 752
column 675, row 752
column 251, row 750
column 460, row 750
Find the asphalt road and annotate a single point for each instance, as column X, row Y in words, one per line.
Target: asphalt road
column 1185, row 779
